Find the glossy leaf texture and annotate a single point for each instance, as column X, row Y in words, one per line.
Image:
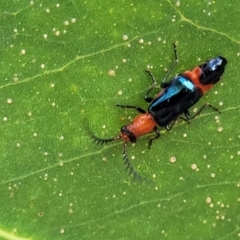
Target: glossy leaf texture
column 64, row 65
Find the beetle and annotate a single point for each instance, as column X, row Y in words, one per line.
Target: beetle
column 175, row 99
column 183, row 91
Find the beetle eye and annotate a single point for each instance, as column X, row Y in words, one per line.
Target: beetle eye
column 129, row 134
column 204, row 68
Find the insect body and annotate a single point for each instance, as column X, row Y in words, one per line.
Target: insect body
column 175, row 98
column 182, row 92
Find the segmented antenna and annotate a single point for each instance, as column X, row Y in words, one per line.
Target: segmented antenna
column 128, row 163
column 102, row 141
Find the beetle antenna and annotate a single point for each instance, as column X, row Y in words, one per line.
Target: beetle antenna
column 128, row 163
column 173, row 64
column 102, row 141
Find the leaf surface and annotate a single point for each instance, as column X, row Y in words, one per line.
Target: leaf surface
column 64, row 65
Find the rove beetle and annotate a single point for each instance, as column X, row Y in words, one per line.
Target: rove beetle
column 175, row 99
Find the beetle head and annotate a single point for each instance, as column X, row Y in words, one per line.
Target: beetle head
column 212, row 70
column 127, row 135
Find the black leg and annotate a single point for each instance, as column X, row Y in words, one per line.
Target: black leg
column 149, row 99
column 185, row 119
column 134, row 107
column 169, row 127
column 154, row 137
column 188, row 117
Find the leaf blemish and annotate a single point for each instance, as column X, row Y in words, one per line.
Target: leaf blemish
column 125, row 37
column 9, row 101
column 40, row 214
column 173, row 159
column 23, row 51
column 174, row 18
column 42, row 66
column 194, row 167
column 111, row 73
column 73, row 20
column 119, row 92
column 208, row 200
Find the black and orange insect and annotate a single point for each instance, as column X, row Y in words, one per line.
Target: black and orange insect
column 172, row 102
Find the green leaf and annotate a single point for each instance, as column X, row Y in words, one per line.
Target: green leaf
column 64, row 65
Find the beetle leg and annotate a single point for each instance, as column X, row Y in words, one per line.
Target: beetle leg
column 187, row 116
column 163, row 85
column 169, row 127
column 186, row 119
column 154, row 137
column 134, row 107
column 200, row 110
column 147, row 98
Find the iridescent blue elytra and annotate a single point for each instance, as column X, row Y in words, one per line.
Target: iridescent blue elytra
column 179, row 95
column 178, row 85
